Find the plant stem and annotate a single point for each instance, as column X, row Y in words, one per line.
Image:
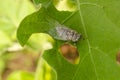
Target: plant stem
column 0, row 76
column 38, row 68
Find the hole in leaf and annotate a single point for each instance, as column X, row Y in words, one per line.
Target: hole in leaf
column 70, row 53
column 40, row 41
column 65, row 5
column 118, row 58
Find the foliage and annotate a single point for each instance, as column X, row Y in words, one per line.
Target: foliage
column 97, row 21
column 21, row 75
column 11, row 14
column 10, row 17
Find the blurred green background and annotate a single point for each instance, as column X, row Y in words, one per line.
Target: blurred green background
column 16, row 62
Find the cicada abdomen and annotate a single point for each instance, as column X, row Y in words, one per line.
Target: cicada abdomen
column 64, row 33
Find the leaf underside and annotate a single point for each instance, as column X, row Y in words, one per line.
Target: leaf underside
column 99, row 24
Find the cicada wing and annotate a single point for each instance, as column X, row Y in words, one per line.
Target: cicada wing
column 64, row 33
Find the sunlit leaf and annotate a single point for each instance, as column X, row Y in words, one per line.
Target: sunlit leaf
column 11, row 13
column 20, row 75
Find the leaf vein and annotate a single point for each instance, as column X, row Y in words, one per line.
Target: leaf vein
column 87, row 3
column 68, row 17
column 88, row 42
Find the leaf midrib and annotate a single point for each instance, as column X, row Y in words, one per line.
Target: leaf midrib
column 88, row 42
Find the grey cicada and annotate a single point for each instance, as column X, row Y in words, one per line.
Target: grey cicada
column 61, row 32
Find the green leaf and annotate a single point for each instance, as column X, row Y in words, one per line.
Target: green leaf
column 11, row 13
column 37, row 2
column 34, row 23
column 11, row 16
column 2, row 66
column 4, row 40
column 37, row 22
column 98, row 22
column 20, row 75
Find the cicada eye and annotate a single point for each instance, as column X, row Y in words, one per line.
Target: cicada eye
column 76, row 37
